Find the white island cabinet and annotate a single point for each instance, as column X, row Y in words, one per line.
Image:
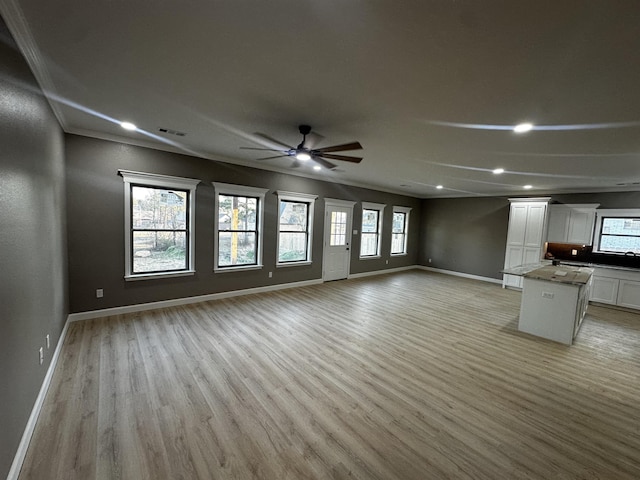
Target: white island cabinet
column 554, row 302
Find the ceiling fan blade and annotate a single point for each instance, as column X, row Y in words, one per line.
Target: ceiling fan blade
column 344, row 158
column 312, row 139
column 267, row 149
column 340, row 148
column 323, row 162
column 273, row 140
column 269, row 158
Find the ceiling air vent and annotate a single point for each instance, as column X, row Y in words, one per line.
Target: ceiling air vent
column 172, row 132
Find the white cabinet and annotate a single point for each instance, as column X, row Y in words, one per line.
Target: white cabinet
column 628, row 294
column 525, row 236
column 605, row 290
column 616, row 287
column 572, row 223
column 553, row 310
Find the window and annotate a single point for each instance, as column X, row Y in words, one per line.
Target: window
column 618, row 231
column 399, row 230
column 372, row 214
column 238, row 223
column 295, row 227
column 159, row 225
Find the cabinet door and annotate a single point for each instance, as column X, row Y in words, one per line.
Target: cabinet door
column 536, row 217
column 517, row 224
column 581, row 226
column 629, row 294
column 532, row 255
column 558, row 224
column 604, row 290
column 513, row 258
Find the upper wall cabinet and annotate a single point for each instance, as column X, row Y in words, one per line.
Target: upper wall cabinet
column 572, row 223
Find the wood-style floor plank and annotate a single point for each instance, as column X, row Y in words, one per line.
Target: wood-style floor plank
column 404, row 376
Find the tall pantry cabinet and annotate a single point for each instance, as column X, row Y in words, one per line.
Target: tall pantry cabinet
column 525, row 236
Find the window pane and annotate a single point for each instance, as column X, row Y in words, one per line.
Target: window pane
column 292, row 247
column 370, row 220
column 159, row 251
column 397, row 243
column 620, row 235
column 236, row 248
column 158, row 208
column 293, row 216
column 237, row 213
column 338, row 235
column 369, row 244
column 398, row 222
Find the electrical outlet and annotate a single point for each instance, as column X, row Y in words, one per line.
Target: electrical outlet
column 387, row 262
column 48, row 342
column 429, row 260
column 99, row 293
column 41, row 351
column 574, row 252
column 270, row 274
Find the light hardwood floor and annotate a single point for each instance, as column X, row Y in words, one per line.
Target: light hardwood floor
column 404, row 376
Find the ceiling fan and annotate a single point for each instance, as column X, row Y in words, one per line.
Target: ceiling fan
column 306, row 151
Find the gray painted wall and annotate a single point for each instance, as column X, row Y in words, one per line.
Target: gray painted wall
column 96, row 224
column 33, row 284
column 469, row 235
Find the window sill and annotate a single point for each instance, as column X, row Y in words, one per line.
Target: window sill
column 151, row 276
column 370, row 257
column 238, row 268
column 404, row 254
column 292, row 264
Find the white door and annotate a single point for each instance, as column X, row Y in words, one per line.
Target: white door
column 337, row 241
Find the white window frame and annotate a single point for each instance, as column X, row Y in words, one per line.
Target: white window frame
column 164, row 181
column 239, row 191
column 380, row 208
column 302, row 198
column 407, row 212
column 608, row 213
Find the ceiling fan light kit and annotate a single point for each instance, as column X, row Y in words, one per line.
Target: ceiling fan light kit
column 303, row 153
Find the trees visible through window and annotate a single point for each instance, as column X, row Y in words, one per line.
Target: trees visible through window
column 399, row 228
column 371, row 235
column 237, row 230
column 294, row 235
column 239, row 226
column 159, row 229
column 295, row 221
column 159, row 225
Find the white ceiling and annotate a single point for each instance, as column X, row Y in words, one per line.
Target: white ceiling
column 408, row 80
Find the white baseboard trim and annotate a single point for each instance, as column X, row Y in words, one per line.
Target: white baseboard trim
column 140, row 307
column 460, row 274
column 382, row 272
column 20, row 455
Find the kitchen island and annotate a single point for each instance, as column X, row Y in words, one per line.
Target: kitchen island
column 554, row 300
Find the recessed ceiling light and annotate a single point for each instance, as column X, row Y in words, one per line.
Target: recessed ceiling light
column 439, row 187
column 317, row 167
column 128, row 126
column 527, row 187
column 523, row 127
column 498, row 171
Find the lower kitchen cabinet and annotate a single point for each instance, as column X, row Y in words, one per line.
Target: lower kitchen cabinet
column 616, row 287
column 605, row 290
column 628, row 294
